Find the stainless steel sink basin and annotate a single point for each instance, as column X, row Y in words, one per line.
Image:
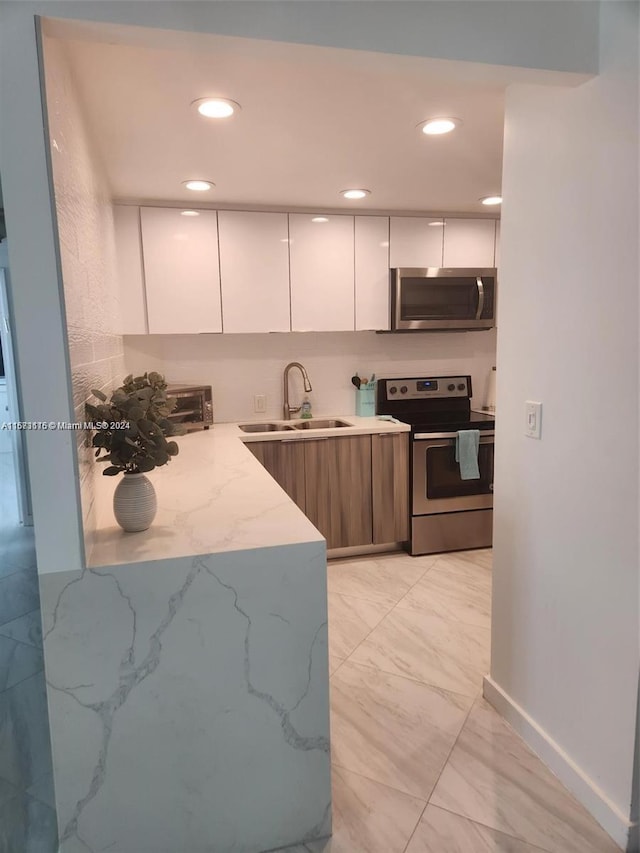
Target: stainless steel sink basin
column 321, row 424
column 270, row 427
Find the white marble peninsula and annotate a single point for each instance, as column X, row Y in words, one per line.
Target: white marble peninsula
column 187, row 668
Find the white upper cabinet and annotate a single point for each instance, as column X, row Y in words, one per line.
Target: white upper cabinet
column 254, row 271
column 469, row 242
column 133, row 311
column 321, row 256
column 182, row 271
column 372, row 272
column 415, row 242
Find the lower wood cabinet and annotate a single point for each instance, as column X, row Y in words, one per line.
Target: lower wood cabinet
column 354, row 489
column 390, row 487
column 338, row 489
column 284, row 460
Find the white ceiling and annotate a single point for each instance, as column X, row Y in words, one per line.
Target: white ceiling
column 313, row 121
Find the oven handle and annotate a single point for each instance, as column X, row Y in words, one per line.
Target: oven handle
column 480, row 286
column 423, row 436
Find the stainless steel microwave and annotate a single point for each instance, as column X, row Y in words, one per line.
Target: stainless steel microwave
column 194, row 406
column 441, row 299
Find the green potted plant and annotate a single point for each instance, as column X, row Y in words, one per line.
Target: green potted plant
column 131, row 431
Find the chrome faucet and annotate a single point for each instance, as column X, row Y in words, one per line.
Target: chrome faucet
column 290, row 410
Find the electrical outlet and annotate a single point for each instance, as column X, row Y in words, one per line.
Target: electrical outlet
column 260, row 403
column 533, row 423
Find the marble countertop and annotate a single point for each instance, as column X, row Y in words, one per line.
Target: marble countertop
column 214, row 497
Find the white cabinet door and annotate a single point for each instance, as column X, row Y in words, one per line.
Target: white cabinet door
column 181, row 270
column 469, row 242
column 415, row 241
column 133, row 309
column 321, row 256
column 372, row 272
column 497, row 255
column 254, row 271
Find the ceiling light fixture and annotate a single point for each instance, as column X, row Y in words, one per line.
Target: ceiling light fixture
column 492, row 199
column 198, row 185
column 189, row 213
column 216, row 107
column 319, row 219
column 437, row 223
column 352, row 194
column 438, row 126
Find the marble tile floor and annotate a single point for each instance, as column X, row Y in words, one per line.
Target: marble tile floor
column 27, row 812
column 421, row 763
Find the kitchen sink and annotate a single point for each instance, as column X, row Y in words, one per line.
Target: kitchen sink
column 321, row 424
column 270, row 427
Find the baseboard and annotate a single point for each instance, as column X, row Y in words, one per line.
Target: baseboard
column 584, row 789
column 363, row 550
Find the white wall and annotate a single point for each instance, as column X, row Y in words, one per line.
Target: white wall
column 559, row 36
column 87, row 254
column 240, row 366
column 565, row 609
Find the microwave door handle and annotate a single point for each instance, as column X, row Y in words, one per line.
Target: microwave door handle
column 480, row 287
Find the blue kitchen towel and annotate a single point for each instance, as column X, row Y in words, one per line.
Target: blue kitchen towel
column 467, row 444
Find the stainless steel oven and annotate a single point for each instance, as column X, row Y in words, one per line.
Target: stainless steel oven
column 437, row 484
column 447, row 512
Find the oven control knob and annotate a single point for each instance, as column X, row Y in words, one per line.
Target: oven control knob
column 393, row 390
column 451, row 387
column 461, row 386
column 404, row 389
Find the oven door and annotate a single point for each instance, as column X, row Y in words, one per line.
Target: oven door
column 437, row 485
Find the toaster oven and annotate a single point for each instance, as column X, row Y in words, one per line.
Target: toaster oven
column 194, row 406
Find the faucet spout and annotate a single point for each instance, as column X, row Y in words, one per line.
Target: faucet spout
column 289, row 410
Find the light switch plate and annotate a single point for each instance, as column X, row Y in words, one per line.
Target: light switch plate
column 259, row 403
column 533, row 418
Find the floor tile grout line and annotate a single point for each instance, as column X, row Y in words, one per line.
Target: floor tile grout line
column 413, row 680
column 534, row 847
column 421, row 578
column 375, row 669
column 435, row 784
column 428, row 569
column 363, row 639
column 382, row 784
column 391, row 609
column 444, row 618
column 419, row 797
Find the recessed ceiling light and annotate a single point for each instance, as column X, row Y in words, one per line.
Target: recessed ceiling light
column 355, row 193
column 437, row 223
column 319, row 219
column 198, row 186
column 492, row 199
column 189, row 213
column 438, row 126
column 216, row 107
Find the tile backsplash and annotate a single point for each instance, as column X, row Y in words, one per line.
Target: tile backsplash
column 87, row 251
column 240, row 366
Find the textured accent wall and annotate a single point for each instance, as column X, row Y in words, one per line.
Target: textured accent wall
column 87, row 249
column 240, row 366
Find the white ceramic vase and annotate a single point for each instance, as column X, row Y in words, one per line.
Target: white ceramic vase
column 134, row 502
